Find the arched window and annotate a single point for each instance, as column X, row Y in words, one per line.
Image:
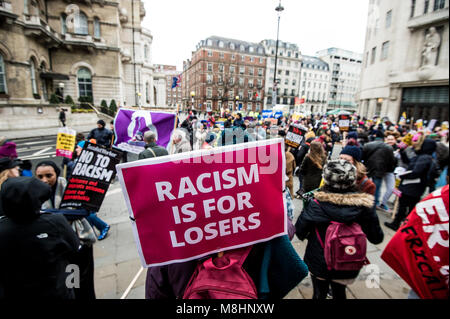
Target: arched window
column 250, row 49
column 3, row 88
column 33, row 76
column 63, row 24
column 84, row 82
column 220, row 44
column 81, row 24
column 43, row 67
column 97, row 33
column 232, row 46
column 209, row 42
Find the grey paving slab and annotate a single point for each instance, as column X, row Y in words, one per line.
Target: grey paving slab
column 137, row 293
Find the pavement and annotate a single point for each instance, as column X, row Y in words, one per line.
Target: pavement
column 118, row 267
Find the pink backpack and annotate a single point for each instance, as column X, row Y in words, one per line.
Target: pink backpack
column 345, row 246
column 222, row 278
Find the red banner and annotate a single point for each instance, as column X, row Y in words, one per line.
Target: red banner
column 419, row 250
column 189, row 205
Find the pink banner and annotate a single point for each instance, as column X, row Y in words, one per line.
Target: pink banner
column 189, row 205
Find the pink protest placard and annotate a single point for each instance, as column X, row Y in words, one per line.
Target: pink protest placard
column 188, row 205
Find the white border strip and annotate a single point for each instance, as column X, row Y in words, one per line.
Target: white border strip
column 191, row 155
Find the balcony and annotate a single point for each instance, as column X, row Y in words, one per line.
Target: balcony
column 428, row 19
column 6, row 13
column 37, row 28
column 72, row 40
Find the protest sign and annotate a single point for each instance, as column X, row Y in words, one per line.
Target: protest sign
column 65, row 142
column 189, row 205
column 94, row 170
column 344, row 122
column 266, row 114
column 130, row 126
column 294, row 136
column 431, row 125
column 418, row 252
column 278, row 114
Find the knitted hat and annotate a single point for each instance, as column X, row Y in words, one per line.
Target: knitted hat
column 353, row 151
column 352, row 134
column 339, row 175
column 81, row 143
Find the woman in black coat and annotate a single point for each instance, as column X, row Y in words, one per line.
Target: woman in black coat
column 339, row 202
column 35, row 248
column 312, row 165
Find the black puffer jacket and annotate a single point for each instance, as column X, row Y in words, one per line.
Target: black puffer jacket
column 343, row 208
column 103, row 136
column 379, row 159
column 35, row 249
column 312, row 175
column 422, row 167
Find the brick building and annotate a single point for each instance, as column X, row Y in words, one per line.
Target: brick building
column 224, row 74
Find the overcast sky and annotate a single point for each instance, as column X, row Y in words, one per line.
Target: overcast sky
column 178, row 25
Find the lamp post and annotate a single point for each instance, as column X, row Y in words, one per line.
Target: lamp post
column 237, row 102
column 192, row 99
column 278, row 9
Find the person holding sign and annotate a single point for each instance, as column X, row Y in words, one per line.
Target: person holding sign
column 48, row 172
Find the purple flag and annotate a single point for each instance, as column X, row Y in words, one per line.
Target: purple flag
column 130, row 126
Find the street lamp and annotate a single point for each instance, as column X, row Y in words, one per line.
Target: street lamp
column 278, row 9
column 237, row 102
column 192, row 99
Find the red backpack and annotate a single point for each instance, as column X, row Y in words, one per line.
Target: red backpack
column 345, row 246
column 222, row 278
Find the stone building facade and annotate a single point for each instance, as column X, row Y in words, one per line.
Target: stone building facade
column 225, row 74
column 81, row 48
column 288, row 72
column 345, row 72
column 406, row 60
column 166, row 96
column 315, row 78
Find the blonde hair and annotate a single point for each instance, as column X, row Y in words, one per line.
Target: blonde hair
column 361, row 170
column 3, row 177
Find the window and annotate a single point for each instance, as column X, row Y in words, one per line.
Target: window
column 251, row 49
column 249, row 105
column 84, row 82
column 232, row 47
column 220, row 67
column 146, row 52
column 209, row 92
column 97, row 33
column 241, row 81
column 210, row 54
column 3, row 88
column 241, row 47
column 413, row 8
column 209, row 42
column 63, row 24
column 259, row 83
column 209, row 78
column 261, row 60
column 260, row 72
column 221, row 55
column 439, row 4
column 242, row 69
column 210, row 67
column 242, row 58
column 289, row 54
column 251, row 71
column 233, row 57
column 374, row 51
column 220, row 44
column 252, row 59
column 384, row 50
column 81, row 24
column 232, row 68
column 425, row 7
column 33, row 76
column 294, row 82
column 388, row 18
column 220, row 91
column 287, row 72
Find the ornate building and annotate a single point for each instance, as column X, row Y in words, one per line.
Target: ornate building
column 225, row 74
column 94, row 49
column 406, row 57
